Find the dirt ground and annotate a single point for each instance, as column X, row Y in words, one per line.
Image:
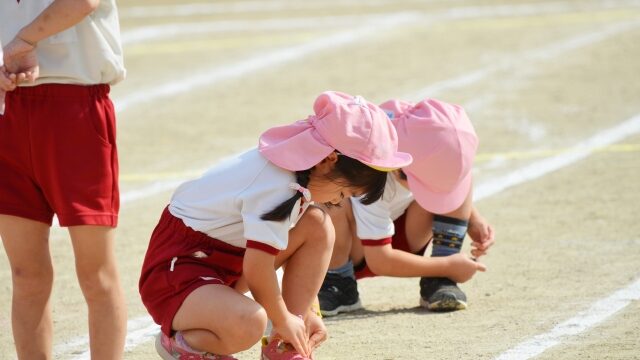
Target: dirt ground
column 538, row 79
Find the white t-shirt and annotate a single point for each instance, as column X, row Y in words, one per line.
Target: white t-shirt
column 374, row 222
column 87, row 53
column 227, row 201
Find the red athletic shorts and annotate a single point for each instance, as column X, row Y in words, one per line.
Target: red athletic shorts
column 398, row 241
column 58, row 155
column 180, row 260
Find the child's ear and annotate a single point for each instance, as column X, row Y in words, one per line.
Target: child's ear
column 327, row 164
column 332, row 158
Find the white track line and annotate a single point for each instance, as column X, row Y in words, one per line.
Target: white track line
column 263, row 61
column 144, row 326
column 545, row 166
column 165, row 31
column 540, row 54
column 200, row 9
column 212, row 8
column 597, row 313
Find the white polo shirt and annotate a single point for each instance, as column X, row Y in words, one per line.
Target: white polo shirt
column 374, row 222
column 227, row 201
column 88, row 53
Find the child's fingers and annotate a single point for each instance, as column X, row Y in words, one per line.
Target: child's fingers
column 477, row 253
column 316, row 339
column 301, row 345
column 481, row 267
column 6, row 84
column 31, row 76
column 21, row 77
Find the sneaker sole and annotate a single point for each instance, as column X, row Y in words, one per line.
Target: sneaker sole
column 447, row 303
column 342, row 309
column 164, row 354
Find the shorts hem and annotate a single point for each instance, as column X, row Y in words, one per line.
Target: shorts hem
column 26, row 214
column 171, row 311
column 110, row 220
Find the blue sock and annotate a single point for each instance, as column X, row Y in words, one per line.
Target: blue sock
column 345, row 270
column 448, row 234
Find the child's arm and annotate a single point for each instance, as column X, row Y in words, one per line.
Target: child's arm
column 19, row 54
column 384, row 260
column 259, row 272
column 480, row 232
column 57, row 17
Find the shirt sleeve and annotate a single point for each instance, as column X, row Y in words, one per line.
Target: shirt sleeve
column 373, row 222
column 261, row 198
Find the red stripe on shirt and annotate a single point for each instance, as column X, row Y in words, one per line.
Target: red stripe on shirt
column 262, row 247
column 378, row 242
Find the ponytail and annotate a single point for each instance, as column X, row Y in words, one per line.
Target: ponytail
column 283, row 211
column 348, row 172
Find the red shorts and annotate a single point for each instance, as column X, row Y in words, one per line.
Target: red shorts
column 398, row 241
column 58, row 155
column 170, row 271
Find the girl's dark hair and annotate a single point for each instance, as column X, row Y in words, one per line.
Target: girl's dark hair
column 348, row 171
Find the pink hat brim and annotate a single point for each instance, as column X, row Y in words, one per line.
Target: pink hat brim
column 439, row 202
column 282, row 145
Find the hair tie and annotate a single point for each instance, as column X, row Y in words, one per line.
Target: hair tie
column 304, row 191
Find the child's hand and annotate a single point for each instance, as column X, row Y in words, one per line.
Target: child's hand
column 293, row 331
column 481, row 234
column 7, row 81
column 316, row 330
column 21, row 61
column 462, row 268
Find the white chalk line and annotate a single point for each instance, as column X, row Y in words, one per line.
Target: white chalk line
column 165, row 31
column 543, row 167
column 598, row 312
column 262, row 61
column 540, row 54
column 199, row 9
column 170, row 30
column 211, row 8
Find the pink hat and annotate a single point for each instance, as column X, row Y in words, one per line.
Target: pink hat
column 348, row 124
column 443, row 143
column 395, row 108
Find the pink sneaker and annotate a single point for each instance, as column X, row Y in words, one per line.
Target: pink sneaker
column 277, row 349
column 169, row 349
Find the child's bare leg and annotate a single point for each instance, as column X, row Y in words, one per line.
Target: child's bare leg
column 27, row 245
column 418, row 224
column 218, row 319
column 341, row 217
column 307, row 259
column 98, row 277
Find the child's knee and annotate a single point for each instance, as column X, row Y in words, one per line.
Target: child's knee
column 32, row 281
column 249, row 329
column 319, row 227
column 98, row 285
